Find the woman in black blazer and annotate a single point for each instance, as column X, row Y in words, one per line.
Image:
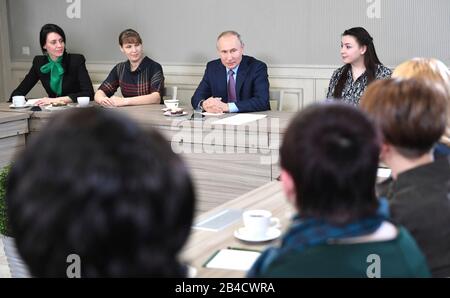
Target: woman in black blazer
column 64, row 76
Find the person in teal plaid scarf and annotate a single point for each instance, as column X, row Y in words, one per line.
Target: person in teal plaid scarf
column 329, row 160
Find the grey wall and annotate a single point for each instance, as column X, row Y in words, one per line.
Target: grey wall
column 277, row 31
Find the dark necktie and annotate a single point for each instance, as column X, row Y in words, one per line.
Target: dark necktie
column 231, row 87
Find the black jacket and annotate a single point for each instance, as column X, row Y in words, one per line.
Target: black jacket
column 76, row 81
column 419, row 200
column 252, row 85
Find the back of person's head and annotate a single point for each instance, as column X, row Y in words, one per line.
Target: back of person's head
column 129, row 36
column 93, row 183
column 331, row 152
column 429, row 69
column 45, row 30
column 410, row 113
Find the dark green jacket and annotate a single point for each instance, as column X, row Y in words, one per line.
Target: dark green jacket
column 399, row 257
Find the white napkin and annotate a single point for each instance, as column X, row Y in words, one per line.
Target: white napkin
column 32, row 102
column 239, row 119
column 212, row 114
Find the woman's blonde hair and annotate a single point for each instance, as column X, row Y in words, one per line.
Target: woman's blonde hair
column 429, row 69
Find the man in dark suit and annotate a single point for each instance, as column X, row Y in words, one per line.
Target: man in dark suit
column 233, row 83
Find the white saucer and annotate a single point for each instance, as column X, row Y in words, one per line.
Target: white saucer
column 165, row 109
column 12, row 106
column 175, row 115
column 272, row 233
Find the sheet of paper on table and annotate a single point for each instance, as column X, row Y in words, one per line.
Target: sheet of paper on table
column 233, row 259
column 219, row 221
column 239, row 119
column 212, row 114
column 384, row 172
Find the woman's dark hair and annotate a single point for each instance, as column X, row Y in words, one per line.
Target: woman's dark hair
column 370, row 58
column 93, row 183
column 49, row 28
column 129, row 36
column 331, row 152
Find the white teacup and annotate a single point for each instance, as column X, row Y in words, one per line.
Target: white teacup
column 18, row 100
column 83, row 101
column 257, row 222
column 171, row 103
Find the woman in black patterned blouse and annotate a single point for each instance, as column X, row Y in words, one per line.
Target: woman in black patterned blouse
column 362, row 66
column 141, row 80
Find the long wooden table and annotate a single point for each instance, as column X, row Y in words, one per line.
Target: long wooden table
column 225, row 160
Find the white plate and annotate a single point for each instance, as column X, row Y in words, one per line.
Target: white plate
column 175, row 115
column 12, row 106
column 52, row 108
column 272, row 233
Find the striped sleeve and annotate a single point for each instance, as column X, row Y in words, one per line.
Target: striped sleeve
column 111, row 83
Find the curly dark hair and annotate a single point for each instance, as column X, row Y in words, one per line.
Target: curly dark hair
column 95, row 184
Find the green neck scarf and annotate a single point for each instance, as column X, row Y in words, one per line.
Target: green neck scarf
column 56, row 72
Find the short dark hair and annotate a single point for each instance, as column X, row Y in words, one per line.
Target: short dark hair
column 49, row 28
column 411, row 113
column 104, row 189
column 129, row 36
column 331, row 151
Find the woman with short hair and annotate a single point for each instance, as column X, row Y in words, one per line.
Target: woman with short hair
column 105, row 189
column 436, row 71
column 329, row 160
column 411, row 115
